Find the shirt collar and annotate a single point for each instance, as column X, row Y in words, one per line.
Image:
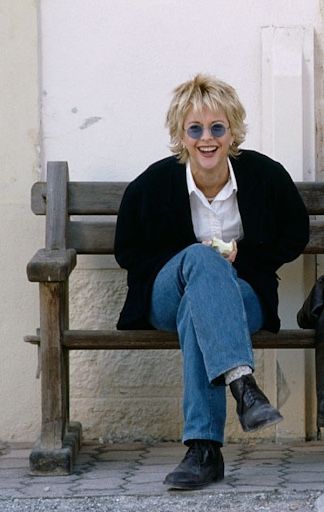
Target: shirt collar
column 192, row 187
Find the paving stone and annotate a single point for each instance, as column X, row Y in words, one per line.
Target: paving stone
column 46, row 480
column 128, row 447
column 147, row 477
column 157, row 468
column 306, row 476
column 100, row 483
column 254, row 488
column 298, row 467
column 160, row 461
column 119, row 456
column 104, row 465
column 13, row 462
column 309, row 486
column 105, row 493
column 265, row 455
column 257, row 479
column 129, row 470
column 259, row 464
column 108, row 474
column 16, row 454
column 47, row 491
column 307, row 458
column 152, row 489
column 267, row 447
column 10, row 492
column 13, row 473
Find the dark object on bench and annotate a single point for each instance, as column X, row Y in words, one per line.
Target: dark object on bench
column 51, row 267
column 311, row 316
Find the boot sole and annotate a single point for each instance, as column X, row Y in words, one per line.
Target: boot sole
column 187, row 486
column 262, row 425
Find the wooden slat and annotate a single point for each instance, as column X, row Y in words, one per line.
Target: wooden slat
column 103, row 197
column 316, row 241
column 84, row 198
column 56, row 205
column 313, row 196
column 90, row 237
column 141, row 340
column 95, row 198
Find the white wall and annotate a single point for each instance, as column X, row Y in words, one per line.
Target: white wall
column 20, row 231
column 108, row 70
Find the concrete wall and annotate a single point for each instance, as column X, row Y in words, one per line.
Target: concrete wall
column 106, row 73
column 20, row 232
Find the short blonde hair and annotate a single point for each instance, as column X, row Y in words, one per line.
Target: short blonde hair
column 204, row 91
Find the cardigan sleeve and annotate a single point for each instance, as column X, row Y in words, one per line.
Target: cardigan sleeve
column 283, row 226
column 133, row 250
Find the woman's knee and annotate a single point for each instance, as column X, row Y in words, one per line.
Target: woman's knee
column 200, row 254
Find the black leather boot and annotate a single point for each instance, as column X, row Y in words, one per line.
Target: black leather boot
column 202, row 464
column 253, row 407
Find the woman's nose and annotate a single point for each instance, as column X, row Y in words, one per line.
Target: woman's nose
column 206, row 135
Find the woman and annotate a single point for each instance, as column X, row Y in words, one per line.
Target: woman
column 170, row 222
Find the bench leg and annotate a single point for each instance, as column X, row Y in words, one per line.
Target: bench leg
column 59, row 441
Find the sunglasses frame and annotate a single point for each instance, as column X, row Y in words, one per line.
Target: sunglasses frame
column 201, row 130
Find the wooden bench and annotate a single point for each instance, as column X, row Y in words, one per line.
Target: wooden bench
column 66, row 237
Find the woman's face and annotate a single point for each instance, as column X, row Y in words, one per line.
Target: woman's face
column 209, row 152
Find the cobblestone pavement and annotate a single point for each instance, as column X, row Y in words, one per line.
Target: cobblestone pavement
column 128, row 477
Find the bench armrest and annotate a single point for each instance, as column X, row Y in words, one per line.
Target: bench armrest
column 51, row 265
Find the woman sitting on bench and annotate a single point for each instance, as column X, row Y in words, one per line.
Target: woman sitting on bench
column 202, row 234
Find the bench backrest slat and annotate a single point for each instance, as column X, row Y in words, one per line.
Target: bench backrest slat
column 98, row 237
column 92, row 236
column 313, row 196
column 103, row 198
column 84, row 198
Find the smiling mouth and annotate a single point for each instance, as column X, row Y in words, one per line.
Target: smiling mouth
column 207, row 150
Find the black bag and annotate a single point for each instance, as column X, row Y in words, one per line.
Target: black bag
column 311, row 316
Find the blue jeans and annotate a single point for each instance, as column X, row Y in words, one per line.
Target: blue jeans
column 198, row 294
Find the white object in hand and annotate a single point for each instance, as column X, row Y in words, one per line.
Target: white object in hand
column 224, row 248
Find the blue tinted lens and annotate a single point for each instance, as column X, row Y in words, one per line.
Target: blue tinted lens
column 217, row 130
column 195, row 131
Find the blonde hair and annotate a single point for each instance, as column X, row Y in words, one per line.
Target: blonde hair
column 204, row 91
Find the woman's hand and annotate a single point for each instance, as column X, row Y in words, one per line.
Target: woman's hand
column 232, row 255
column 229, row 252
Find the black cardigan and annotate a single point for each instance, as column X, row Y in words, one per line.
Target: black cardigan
column 154, row 224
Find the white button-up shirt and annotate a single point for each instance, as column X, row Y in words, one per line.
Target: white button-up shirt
column 220, row 218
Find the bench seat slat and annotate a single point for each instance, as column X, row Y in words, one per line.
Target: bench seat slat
column 124, row 340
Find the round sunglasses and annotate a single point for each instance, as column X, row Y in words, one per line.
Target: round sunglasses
column 195, row 131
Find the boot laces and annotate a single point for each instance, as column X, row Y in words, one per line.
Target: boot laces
column 252, row 394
